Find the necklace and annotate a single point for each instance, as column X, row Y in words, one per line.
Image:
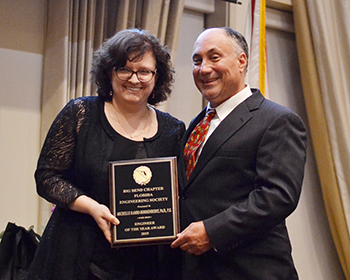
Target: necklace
column 131, row 136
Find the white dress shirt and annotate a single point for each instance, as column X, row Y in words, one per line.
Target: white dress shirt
column 223, row 110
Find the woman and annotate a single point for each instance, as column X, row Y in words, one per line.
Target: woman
column 131, row 70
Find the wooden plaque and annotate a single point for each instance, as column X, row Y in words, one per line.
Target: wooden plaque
column 144, row 197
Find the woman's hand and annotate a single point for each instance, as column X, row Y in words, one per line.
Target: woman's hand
column 104, row 219
column 99, row 212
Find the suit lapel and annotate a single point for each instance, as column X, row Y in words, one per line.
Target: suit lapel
column 227, row 128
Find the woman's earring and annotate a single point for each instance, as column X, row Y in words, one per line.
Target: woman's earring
column 111, row 93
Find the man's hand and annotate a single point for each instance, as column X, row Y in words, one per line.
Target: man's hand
column 193, row 239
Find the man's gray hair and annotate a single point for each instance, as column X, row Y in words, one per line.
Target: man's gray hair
column 239, row 40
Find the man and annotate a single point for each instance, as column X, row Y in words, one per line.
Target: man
column 248, row 173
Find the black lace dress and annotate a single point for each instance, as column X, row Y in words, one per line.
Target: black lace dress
column 74, row 161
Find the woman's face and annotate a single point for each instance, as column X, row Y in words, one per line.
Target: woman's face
column 133, row 91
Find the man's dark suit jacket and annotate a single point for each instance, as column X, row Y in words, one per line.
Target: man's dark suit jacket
column 246, row 182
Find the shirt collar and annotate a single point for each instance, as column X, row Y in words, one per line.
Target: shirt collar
column 227, row 106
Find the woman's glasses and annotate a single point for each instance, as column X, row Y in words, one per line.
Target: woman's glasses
column 143, row 76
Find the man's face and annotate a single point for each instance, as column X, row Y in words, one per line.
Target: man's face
column 218, row 71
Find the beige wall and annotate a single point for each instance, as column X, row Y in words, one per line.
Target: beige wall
column 308, row 226
column 21, row 49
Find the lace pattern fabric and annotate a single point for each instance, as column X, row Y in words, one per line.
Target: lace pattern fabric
column 57, row 156
column 74, row 161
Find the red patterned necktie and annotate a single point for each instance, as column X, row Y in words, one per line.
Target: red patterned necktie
column 195, row 141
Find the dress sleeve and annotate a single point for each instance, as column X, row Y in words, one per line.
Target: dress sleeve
column 55, row 165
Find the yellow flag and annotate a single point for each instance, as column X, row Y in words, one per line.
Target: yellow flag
column 255, row 34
